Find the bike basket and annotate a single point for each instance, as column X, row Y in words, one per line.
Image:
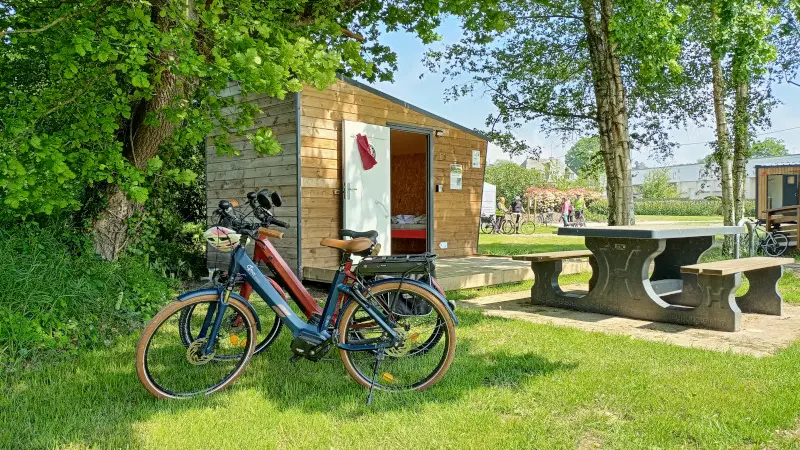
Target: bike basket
column 422, row 264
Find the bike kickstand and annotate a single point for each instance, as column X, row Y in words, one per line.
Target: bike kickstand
column 378, row 360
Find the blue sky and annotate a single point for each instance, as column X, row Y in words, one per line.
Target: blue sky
column 427, row 93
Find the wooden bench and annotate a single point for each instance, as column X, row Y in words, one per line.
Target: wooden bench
column 762, row 272
column 547, row 266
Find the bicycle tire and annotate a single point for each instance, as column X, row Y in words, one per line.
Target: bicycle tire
column 270, row 336
column 145, row 346
column 362, row 373
column 486, row 227
column 507, row 227
column 778, row 246
column 527, row 227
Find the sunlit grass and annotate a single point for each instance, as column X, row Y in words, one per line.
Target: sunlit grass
column 513, row 384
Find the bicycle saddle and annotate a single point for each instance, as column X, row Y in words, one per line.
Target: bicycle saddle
column 371, row 234
column 357, row 245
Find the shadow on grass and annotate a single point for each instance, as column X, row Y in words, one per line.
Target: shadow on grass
column 96, row 399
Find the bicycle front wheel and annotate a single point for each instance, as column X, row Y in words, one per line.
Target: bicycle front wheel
column 169, row 369
column 507, row 227
column 776, row 244
column 527, row 227
column 427, row 339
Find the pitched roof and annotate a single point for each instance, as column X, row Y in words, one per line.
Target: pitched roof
column 405, row 104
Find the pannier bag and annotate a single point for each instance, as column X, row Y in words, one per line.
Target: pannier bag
column 407, row 266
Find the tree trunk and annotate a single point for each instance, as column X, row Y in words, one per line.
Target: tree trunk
column 141, row 141
column 741, row 147
column 723, row 150
column 612, row 110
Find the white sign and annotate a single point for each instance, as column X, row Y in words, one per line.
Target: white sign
column 455, row 177
column 476, row 159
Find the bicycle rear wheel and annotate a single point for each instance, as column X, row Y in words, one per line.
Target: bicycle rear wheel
column 168, row 369
column 527, row 227
column 427, row 345
column 776, row 244
column 507, row 227
column 486, row 227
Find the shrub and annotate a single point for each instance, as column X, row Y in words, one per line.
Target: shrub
column 55, row 295
column 673, row 207
column 550, row 198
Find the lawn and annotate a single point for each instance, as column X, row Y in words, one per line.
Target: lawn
column 507, row 245
column 513, row 384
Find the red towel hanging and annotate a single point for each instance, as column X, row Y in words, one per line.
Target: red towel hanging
column 367, row 152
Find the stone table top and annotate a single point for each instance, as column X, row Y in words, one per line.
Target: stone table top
column 650, row 231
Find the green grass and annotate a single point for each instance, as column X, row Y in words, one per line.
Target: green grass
column 507, row 245
column 644, row 219
column 513, row 384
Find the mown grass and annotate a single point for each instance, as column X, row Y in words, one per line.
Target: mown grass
column 508, row 245
column 513, row 384
column 654, row 218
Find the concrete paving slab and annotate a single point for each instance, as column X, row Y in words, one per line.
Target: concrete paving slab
column 761, row 335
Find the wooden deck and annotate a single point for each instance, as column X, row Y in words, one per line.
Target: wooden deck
column 469, row 272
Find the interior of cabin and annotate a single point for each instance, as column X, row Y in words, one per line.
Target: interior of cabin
column 409, row 191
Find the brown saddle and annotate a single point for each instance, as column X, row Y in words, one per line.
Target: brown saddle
column 357, row 245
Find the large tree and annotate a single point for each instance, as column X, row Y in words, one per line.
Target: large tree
column 586, row 65
column 92, row 90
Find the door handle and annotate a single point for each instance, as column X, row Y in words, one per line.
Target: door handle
column 348, row 189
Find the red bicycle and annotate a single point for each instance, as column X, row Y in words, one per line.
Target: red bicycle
column 284, row 280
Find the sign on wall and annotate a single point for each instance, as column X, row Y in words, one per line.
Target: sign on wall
column 476, row 159
column 455, row 176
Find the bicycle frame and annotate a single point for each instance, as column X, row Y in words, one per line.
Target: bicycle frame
column 266, row 253
column 242, row 264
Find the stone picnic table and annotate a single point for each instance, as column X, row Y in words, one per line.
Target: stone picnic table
column 621, row 284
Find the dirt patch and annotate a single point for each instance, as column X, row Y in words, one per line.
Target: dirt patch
column 761, row 335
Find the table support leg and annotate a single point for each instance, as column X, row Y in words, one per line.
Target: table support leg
column 763, row 296
column 679, row 252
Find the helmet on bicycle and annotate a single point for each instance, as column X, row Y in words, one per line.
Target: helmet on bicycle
column 221, row 238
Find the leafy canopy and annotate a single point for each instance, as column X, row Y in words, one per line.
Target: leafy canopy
column 74, row 75
column 532, row 60
column 768, row 147
column 584, row 157
column 656, row 184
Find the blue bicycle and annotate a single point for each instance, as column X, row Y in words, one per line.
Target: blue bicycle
column 392, row 333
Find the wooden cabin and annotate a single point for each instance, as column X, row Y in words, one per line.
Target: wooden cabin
column 778, row 198
column 422, row 194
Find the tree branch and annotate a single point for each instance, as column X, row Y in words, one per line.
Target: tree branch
column 5, row 33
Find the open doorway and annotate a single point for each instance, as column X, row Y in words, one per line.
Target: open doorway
column 409, row 191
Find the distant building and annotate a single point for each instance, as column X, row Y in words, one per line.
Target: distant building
column 695, row 182
column 552, row 168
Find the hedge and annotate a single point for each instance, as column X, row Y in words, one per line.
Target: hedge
column 673, row 207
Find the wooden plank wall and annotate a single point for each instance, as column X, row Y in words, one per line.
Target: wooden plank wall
column 456, row 213
column 761, row 195
column 231, row 178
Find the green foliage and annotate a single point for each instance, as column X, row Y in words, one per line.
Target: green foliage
column 512, row 179
column 656, row 184
column 768, row 147
column 673, row 207
column 77, row 80
column 168, row 234
column 56, row 296
column 533, row 60
column 585, row 159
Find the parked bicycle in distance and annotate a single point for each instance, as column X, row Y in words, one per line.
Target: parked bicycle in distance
column 769, row 243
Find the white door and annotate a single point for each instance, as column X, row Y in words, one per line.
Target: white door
column 367, row 193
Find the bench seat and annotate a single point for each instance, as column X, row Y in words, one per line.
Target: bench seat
column 762, row 272
column 732, row 266
column 553, row 256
